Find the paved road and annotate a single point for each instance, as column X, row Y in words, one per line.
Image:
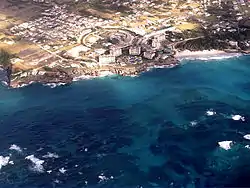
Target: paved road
column 52, row 53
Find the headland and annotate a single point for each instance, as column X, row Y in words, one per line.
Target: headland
column 62, row 41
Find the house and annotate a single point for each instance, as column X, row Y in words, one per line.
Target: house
column 156, row 43
column 115, row 51
column 161, row 37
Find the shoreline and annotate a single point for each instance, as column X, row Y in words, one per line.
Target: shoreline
column 103, row 74
column 204, row 55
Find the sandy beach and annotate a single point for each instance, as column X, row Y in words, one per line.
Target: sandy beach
column 205, row 54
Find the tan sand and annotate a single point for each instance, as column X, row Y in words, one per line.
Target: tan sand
column 187, row 53
column 205, row 54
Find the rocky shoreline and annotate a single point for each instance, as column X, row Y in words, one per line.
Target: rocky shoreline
column 166, row 51
column 61, row 77
column 66, row 76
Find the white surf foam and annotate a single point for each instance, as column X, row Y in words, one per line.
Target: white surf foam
column 103, row 178
column 16, row 148
column 84, row 77
column 238, row 117
column 226, row 145
column 210, row 113
column 4, row 161
column 219, row 57
column 62, row 170
column 247, row 136
column 164, row 66
column 37, row 163
column 51, row 155
column 40, row 149
column 193, row 123
column 56, row 181
column 22, row 85
column 53, row 85
column 105, row 74
column 4, row 83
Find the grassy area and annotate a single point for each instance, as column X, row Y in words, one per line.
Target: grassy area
column 194, row 5
column 2, row 35
column 2, row 17
column 187, row 26
column 21, row 66
column 66, row 48
column 17, row 47
column 211, row 18
column 6, row 21
column 4, row 24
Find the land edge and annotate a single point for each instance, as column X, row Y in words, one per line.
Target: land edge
column 178, row 59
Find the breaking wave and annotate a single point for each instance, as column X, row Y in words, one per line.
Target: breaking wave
column 37, row 164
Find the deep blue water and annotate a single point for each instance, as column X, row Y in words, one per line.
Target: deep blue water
column 147, row 131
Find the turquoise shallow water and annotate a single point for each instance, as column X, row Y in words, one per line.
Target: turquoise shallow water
column 160, row 129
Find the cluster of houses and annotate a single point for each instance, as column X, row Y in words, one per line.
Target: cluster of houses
column 57, row 24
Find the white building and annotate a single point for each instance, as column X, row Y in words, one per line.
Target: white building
column 135, row 50
column 115, row 52
column 149, row 55
column 106, row 59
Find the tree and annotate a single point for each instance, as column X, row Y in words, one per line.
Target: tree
column 4, row 58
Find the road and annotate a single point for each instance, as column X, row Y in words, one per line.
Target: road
column 179, row 42
column 52, row 53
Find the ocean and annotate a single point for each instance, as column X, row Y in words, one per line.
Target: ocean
column 184, row 127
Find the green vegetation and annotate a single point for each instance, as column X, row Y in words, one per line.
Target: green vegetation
column 48, row 69
column 4, row 58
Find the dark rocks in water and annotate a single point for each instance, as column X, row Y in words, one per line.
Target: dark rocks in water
column 9, row 72
column 4, row 59
column 5, row 66
column 4, row 75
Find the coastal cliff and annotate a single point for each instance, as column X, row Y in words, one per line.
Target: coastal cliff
column 5, row 67
column 62, row 75
column 4, row 77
